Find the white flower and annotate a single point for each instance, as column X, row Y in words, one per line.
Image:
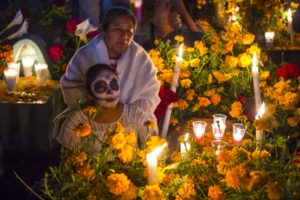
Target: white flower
column 83, row 29
column 16, row 21
column 22, row 30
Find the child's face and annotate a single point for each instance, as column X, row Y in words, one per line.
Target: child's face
column 106, row 90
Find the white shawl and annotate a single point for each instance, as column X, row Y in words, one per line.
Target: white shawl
column 136, row 72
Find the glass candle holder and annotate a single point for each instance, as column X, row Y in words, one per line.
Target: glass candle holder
column 10, row 79
column 199, row 130
column 27, row 66
column 218, row 131
column 41, row 73
column 220, row 118
column 238, row 132
column 269, row 39
column 16, row 67
column 218, row 145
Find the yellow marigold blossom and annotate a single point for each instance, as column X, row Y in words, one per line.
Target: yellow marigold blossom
column 244, row 60
column 223, row 168
column 201, row 46
column 129, row 194
column 265, row 75
column 77, row 159
column 150, row 124
column 247, row 144
column 186, row 190
column 231, row 61
column 261, row 155
column 190, row 94
column 185, row 83
column 154, row 141
column 228, row 47
column 203, row 101
column 293, row 121
column 174, row 121
column 239, row 154
column 182, row 104
column 167, row 75
column 209, row 79
column 254, row 49
column 184, row 74
column 126, row 153
column 152, row 192
column 143, row 154
column 294, row 4
column 289, row 100
column 179, row 38
column 258, row 180
column 184, row 65
column 214, row 47
column 216, row 193
column 157, row 41
column 215, row 99
column 195, row 62
column 82, row 129
column 89, row 109
column 198, row 161
column 117, row 183
column 274, row 190
column 85, row 172
column 247, row 38
column 130, row 138
column 224, row 156
column 221, row 77
column 190, row 49
column 117, row 140
column 236, row 109
column 119, row 127
column 220, row 89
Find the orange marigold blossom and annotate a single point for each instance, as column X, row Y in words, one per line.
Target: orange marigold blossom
column 152, row 192
column 154, row 142
column 185, row 83
column 77, row 159
column 126, row 153
column 179, row 38
column 231, row 61
column 182, row 104
column 203, row 101
column 236, row 109
column 174, row 121
column 82, row 129
column 89, row 109
column 216, row 193
column 215, row 99
column 129, row 194
column 117, row 183
column 274, row 190
column 149, row 124
column 261, row 155
column 244, row 60
column 130, row 138
column 186, row 190
column 221, row 77
column 190, row 94
column 117, row 140
column 258, row 180
column 85, row 171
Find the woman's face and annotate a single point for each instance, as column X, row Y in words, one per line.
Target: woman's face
column 118, row 36
column 105, row 89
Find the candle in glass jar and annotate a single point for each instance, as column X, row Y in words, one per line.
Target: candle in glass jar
column 27, row 66
column 199, row 130
column 41, row 73
column 10, row 79
column 269, row 38
column 185, row 146
column 16, row 67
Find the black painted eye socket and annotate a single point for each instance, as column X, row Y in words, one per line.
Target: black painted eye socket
column 114, row 84
column 100, row 87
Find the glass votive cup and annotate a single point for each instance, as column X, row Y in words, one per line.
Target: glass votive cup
column 41, row 73
column 10, row 79
column 218, row 145
column 199, row 130
column 218, row 131
column 220, row 118
column 15, row 66
column 27, row 63
column 238, row 132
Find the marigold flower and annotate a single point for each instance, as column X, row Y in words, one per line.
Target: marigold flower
column 152, row 192
column 209, row 79
column 130, row 138
column 216, row 193
column 195, row 62
column 228, row 47
column 247, row 144
column 182, row 104
column 247, row 38
column 85, row 172
column 82, row 129
column 129, row 194
column 203, row 101
column 190, row 49
column 117, row 140
column 175, row 156
column 174, row 121
column 184, row 74
column 231, row 61
column 77, row 159
column 190, row 94
column 215, row 99
column 244, row 60
column 239, row 154
column 236, row 109
column 154, row 141
column 258, row 180
column 254, row 49
column 89, row 109
column 221, row 77
column 294, row 4
column 261, row 155
column 274, row 190
column 179, row 38
column 186, row 190
column 126, row 153
column 149, row 124
column 119, row 127
column 117, row 183
column 185, row 83
column 157, row 41
column 201, row 46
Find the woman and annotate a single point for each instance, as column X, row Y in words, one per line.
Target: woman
column 102, row 86
column 114, row 46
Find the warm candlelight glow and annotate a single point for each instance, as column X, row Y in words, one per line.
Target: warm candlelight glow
column 10, row 72
column 180, row 50
column 261, row 111
column 27, row 61
column 41, row 73
column 289, row 15
column 254, row 63
column 10, row 79
column 185, row 146
column 199, row 130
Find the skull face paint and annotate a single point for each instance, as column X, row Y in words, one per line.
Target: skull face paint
column 105, row 89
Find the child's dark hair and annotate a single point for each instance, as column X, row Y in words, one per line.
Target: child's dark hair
column 115, row 12
column 93, row 72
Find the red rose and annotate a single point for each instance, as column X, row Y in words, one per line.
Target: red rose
column 71, row 25
column 288, row 70
column 167, row 96
column 92, row 34
column 293, row 70
column 56, row 51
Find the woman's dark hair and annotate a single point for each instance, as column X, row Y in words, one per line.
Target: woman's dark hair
column 114, row 13
column 93, row 72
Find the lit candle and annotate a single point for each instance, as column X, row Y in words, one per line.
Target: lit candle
column 173, row 88
column 27, row 66
column 290, row 26
column 256, row 83
column 10, row 79
column 15, row 66
column 269, row 38
column 41, row 73
column 218, row 131
column 238, row 131
column 138, row 9
column 152, row 164
column 218, row 145
column 199, row 130
column 259, row 133
column 185, row 146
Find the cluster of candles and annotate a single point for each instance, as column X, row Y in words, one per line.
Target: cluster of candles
column 13, row 72
column 218, row 129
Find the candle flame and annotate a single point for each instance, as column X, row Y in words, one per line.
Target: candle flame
column 289, row 14
column 261, row 111
column 10, row 72
column 180, row 50
column 254, row 60
column 157, row 151
column 186, row 137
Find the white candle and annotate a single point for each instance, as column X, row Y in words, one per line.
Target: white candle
column 290, row 26
column 27, row 66
column 10, row 79
column 173, row 88
column 16, row 67
column 238, row 131
column 259, row 133
column 256, row 83
column 185, row 146
column 152, row 164
column 199, row 130
column 218, row 130
column 41, row 73
column 269, row 39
